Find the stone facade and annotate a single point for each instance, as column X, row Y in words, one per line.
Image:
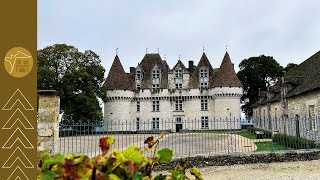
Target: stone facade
column 298, row 121
column 179, row 98
column 48, row 114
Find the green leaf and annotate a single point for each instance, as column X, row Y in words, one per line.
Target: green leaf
column 165, row 155
column 46, row 164
column 110, row 140
column 138, row 176
column 113, row 177
column 194, row 171
column 70, row 156
column 133, row 153
column 46, row 175
column 178, row 176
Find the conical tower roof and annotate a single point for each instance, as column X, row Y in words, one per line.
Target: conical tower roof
column 226, row 76
column 117, row 78
column 204, row 62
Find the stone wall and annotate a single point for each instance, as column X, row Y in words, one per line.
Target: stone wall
column 48, row 117
column 297, row 111
column 246, row 158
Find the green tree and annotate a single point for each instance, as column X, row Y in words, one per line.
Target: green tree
column 257, row 72
column 290, row 66
column 78, row 78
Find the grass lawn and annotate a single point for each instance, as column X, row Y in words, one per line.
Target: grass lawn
column 267, row 146
column 246, row 134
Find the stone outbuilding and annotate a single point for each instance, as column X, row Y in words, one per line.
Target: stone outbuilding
column 292, row 105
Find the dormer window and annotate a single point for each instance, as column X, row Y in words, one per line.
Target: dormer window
column 204, row 72
column 156, row 77
column 156, row 74
column 138, row 78
column 178, row 73
column 138, row 75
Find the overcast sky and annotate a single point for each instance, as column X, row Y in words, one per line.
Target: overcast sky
column 288, row 30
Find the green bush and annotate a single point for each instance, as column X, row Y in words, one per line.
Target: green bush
column 129, row 164
column 267, row 134
column 294, row 142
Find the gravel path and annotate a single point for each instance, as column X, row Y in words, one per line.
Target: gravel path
column 302, row 170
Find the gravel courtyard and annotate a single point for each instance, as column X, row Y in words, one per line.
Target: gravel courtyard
column 300, row 170
column 183, row 144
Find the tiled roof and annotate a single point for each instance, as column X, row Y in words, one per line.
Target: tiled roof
column 204, row 62
column 226, row 76
column 301, row 79
column 117, row 77
column 307, row 75
column 179, row 63
column 147, row 64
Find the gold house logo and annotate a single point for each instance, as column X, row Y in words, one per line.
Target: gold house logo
column 18, row 62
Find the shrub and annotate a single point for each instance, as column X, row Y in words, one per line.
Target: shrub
column 267, row 134
column 294, row 142
column 113, row 165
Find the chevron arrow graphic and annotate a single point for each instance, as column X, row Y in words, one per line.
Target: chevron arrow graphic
column 15, row 156
column 17, row 116
column 17, row 97
column 17, row 174
column 16, row 137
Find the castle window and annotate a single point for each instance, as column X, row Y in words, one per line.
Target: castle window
column 138, row 78
column 138, row 123
column 204, row 72
column 178, row 73
column 155, row 105
column 179, row 105
column 204, row 122
column 138, row 75
column 155, row 86
column 155, row 123
column 178, row 86
column 204, row 85
column 204, row 104
column 312, row 118
column 156, row 74
column 138, row 106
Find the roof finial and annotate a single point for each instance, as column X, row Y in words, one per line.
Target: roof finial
column 158, row 50
column 226, row 48
column 117, row 51
column 179, row 56
column 146, row 50
column 165, row 57
column 203, row 49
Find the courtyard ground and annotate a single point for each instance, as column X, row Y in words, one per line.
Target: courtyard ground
column 183, row 144
column 300, row 170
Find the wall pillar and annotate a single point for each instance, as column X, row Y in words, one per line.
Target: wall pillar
column 48, row 119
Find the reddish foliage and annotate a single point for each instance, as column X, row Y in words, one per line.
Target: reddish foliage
column 149, row 141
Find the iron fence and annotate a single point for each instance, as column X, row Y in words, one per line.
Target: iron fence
column 190, row 137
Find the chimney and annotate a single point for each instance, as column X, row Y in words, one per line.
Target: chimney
column 190, row 65
column 132, row 69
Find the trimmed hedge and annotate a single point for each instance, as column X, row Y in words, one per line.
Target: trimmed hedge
column 294, row 142
column 267, row 134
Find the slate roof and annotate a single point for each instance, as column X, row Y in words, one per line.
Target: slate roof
column 226, row 76
column 147, row 64
column 194, row 79
column 183, row 67
column 303, row 78
column 307, row 75
column 117, row 77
